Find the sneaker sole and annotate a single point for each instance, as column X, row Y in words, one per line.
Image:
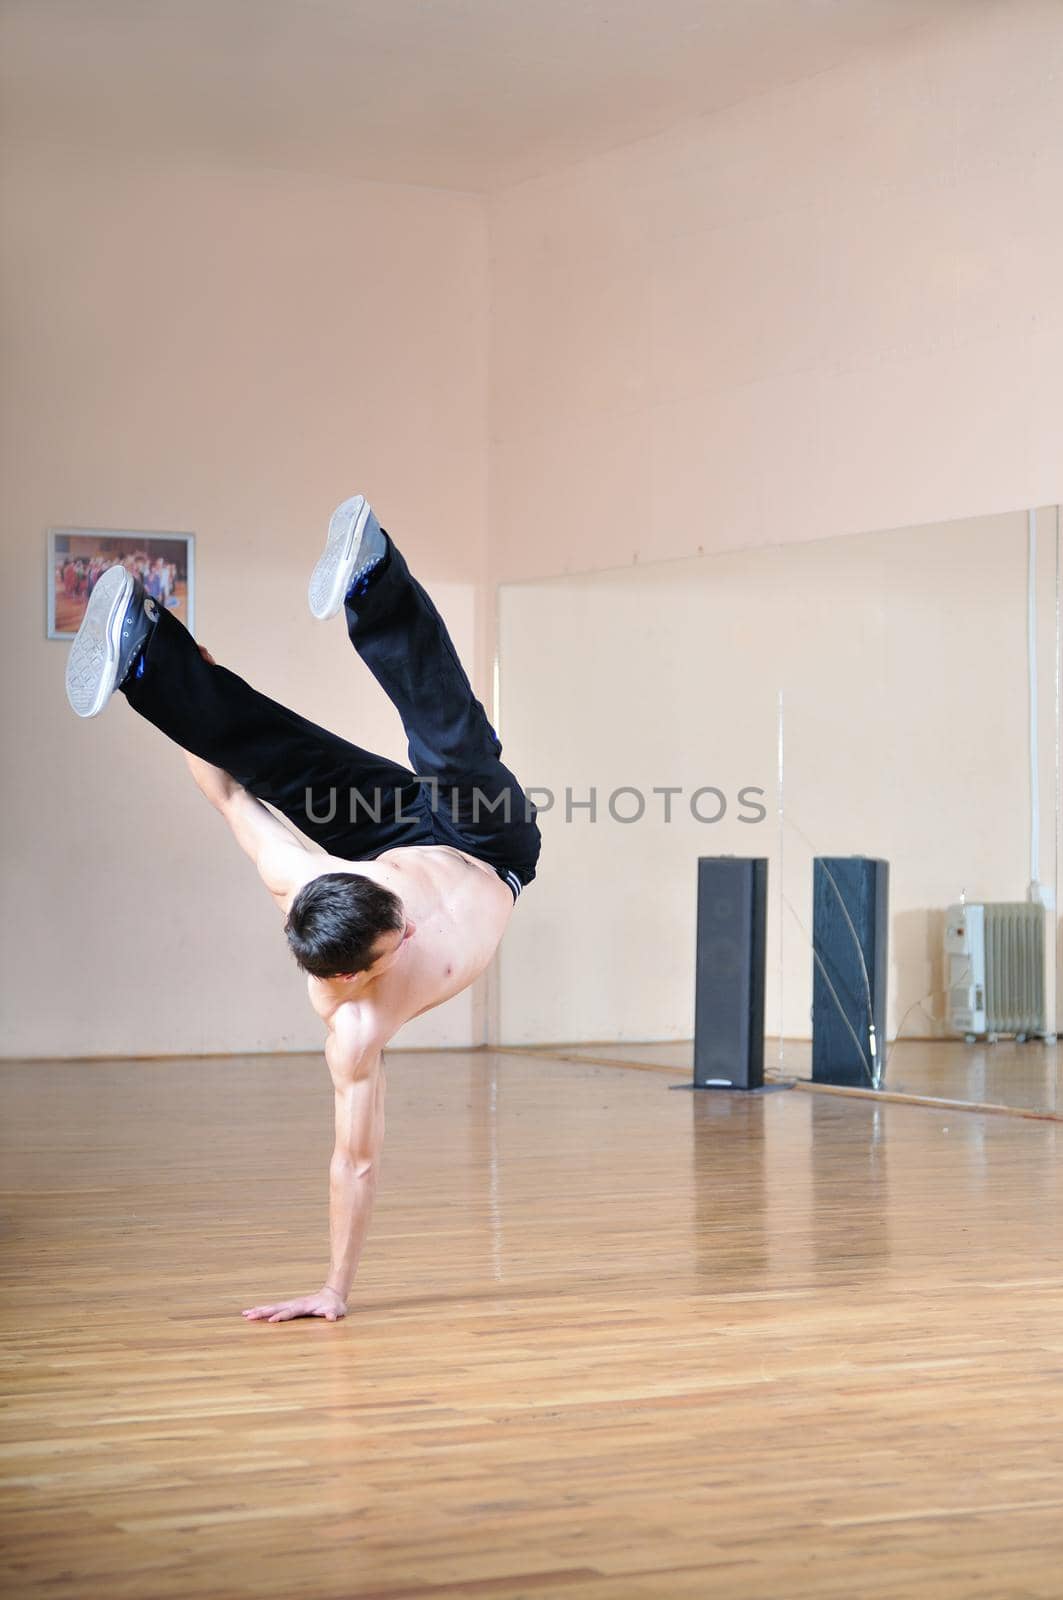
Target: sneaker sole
column 331, row 578
column 92, row 665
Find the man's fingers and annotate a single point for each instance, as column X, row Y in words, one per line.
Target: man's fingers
column 287, row 1310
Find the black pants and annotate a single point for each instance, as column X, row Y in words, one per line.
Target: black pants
column 355, row 804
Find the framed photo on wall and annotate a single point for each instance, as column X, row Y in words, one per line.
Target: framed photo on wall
column 78, row 557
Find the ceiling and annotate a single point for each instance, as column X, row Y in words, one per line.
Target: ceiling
column 457, row 94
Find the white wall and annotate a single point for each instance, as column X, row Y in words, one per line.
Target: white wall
column 831, row 308
column 228, row 355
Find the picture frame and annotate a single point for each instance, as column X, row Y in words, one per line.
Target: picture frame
column 77, row 557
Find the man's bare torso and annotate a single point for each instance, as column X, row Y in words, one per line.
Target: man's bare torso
column 459, row 909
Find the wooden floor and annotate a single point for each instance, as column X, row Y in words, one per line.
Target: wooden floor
column 610, row 1341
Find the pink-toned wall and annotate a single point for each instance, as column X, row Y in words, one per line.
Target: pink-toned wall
column 832, row 308
column 228, row 354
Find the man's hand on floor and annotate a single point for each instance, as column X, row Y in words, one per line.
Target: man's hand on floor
column 325, row 1303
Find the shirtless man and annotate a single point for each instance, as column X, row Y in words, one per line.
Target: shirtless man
column 422, row 868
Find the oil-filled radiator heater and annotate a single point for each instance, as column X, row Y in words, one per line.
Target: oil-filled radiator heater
column 995, row 969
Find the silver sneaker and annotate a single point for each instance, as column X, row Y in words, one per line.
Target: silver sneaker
column 331, row 578
column 116, row 625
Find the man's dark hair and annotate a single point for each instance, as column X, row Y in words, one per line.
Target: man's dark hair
column 337, row 920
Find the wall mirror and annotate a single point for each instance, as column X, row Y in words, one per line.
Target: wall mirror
column 892, row 694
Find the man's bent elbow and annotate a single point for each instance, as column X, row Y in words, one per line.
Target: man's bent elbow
column 348, row 1165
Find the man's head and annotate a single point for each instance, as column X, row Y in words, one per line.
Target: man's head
column 341, row 924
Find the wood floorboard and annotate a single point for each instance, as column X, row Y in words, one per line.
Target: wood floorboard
column 608, row 1342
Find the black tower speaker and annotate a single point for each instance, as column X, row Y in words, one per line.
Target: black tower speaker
column 860, row 887
column 729, row 1000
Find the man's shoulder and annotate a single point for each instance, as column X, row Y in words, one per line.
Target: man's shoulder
column 380, row 869
column 357, row 1024
column 356, row 1038
column 313, row 866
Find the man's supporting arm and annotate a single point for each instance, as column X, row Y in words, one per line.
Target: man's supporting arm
column 358, row 1080
column 354, row 1061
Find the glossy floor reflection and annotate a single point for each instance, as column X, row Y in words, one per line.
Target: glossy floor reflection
column 1021, row 1077
column 609, row 1341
